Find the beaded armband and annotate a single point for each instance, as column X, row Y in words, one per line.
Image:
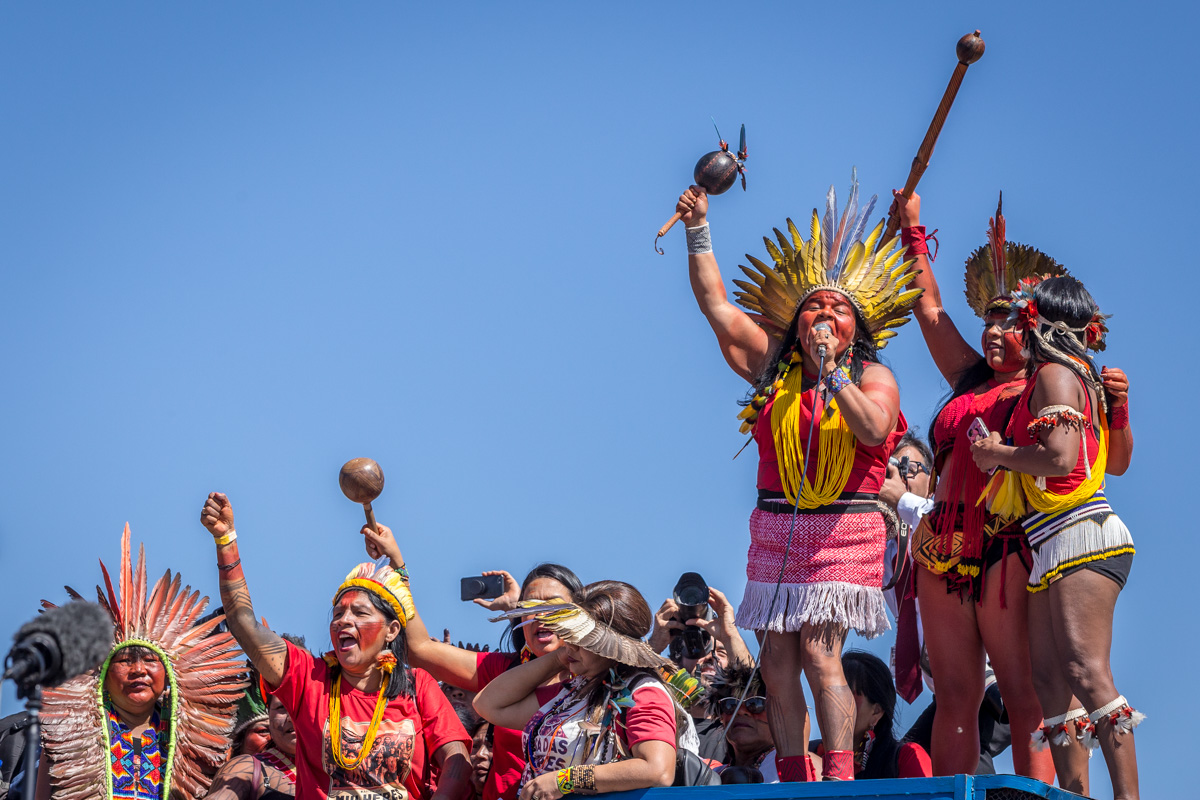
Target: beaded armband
column 1055, row 416
column 837, row 380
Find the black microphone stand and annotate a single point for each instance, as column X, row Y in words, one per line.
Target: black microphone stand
column 32, row 740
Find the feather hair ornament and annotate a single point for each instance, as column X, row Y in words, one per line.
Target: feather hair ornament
column 1000, row 269
column 205, row 676
column 834, row 258
column 575, row 626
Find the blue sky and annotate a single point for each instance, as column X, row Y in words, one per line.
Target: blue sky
column 244, row 243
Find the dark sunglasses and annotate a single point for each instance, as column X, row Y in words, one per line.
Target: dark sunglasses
column 754, row 705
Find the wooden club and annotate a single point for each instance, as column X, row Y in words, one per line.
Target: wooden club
column 969, row 50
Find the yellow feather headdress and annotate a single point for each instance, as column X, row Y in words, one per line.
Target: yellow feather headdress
column 996, row 270
column 206, row 676
column 575, row 626
column 384, row 582
column 834, row 258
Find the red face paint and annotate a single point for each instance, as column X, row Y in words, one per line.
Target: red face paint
column 832, row 308
column 1002, row 344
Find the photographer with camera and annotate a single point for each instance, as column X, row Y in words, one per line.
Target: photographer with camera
column 695, row 626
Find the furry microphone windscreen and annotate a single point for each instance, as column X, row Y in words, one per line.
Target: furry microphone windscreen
column 82, row 632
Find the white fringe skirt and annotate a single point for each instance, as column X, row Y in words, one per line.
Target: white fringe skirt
column 834, row 572
column 1080, row 543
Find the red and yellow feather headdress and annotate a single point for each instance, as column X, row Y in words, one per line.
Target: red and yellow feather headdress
column 206, row 676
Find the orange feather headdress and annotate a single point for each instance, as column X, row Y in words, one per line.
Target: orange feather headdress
column 206, row 676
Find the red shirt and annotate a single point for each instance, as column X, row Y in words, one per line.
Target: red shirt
column 913, row 762
column 870, row 463
column 400, row 764
column 508, row 758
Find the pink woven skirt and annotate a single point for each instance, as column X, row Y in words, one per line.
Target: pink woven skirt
column 834, row 572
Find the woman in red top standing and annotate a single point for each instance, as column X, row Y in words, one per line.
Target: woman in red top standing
column 1065, row 436
column 817, row 535
column 368, row 726
column 973, row 565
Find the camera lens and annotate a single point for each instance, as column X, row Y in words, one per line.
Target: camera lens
column 696, row 643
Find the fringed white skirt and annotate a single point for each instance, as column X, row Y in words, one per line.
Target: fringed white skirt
column 834, row 572
column 1082, row 542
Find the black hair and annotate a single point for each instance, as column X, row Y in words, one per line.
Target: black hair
column 555, row 572
column 1065, row 299
column 866, row 674
column 911, row 439
column 864, row 353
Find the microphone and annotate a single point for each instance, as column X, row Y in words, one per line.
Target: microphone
column 56, row 646
column 822, row 326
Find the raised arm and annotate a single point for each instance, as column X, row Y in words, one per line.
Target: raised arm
column 742, row 342
column 442, row 660
column 722, row 628
column 510, row 700
column 950, row 351
column 265, row 650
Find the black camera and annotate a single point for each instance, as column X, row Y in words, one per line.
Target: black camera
column 691, row 595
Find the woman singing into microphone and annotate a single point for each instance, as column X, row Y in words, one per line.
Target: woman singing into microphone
column 820, row 314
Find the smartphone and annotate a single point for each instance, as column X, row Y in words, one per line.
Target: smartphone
column 482, row 587
column 978, row 431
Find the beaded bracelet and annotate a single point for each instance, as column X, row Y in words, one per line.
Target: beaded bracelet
column 585, row 778
column 837, row 380
column 565, row 781
column 402, row 571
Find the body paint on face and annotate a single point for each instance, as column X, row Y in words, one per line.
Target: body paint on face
column 832, row 308
column 999, row 330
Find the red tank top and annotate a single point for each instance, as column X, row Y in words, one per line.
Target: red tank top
column 993, row 406
column 1018, row 429
column 965, row 482
column 870, row 463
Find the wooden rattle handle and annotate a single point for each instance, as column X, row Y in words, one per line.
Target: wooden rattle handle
column 370, row 517
column 663, row 231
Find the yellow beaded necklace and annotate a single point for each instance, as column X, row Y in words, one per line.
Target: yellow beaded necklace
column 835, row 448
column 386, row 663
